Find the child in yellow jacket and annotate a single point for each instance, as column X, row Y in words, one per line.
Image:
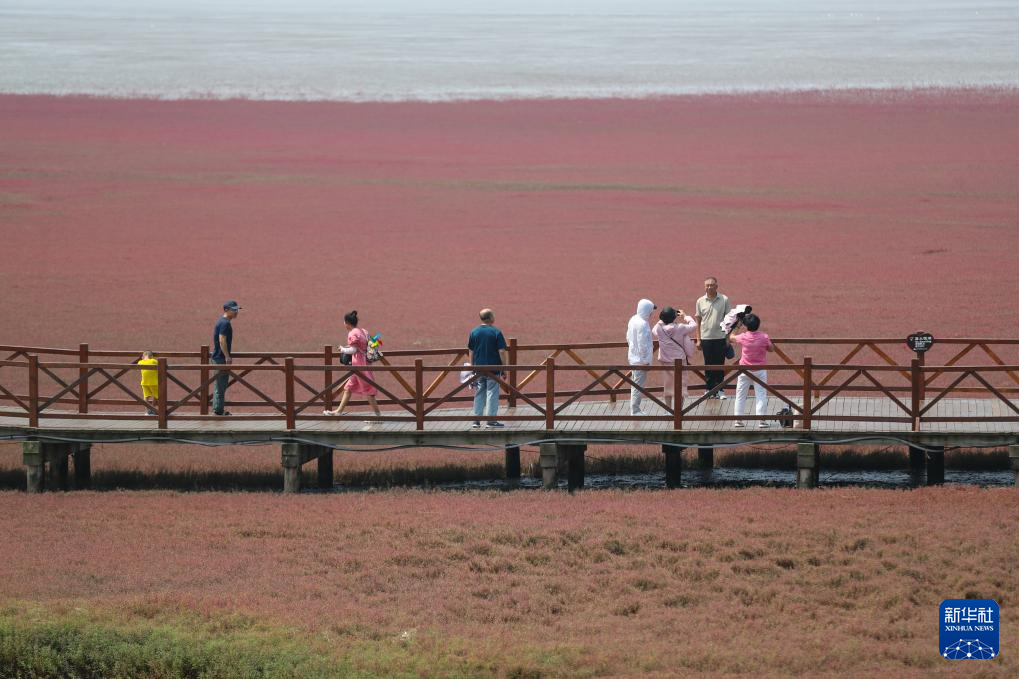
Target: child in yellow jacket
column 150, row 381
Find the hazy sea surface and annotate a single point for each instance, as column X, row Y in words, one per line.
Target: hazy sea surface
column 499, row 49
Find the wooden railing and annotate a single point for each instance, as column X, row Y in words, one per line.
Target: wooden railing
column 41, row 383
column 790, row 351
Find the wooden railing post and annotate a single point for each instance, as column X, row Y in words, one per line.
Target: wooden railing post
column 677, row 393
column 612, row 393
column 327, row 357
column 817, row 392
column 203, row 391
column 161, row 400
column 923, row 385
column 419, row 393
column 549, row 393
column 33, row 390
column 83, row 378
column 512, row 355
column 808, row 391
column 288, row 371
column 916, row 380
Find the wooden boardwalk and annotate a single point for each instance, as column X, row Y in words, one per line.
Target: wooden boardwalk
column 987, row 425
column 49, row 448
column 59, row 402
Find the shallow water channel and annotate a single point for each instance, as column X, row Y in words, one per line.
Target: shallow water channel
column 741, row 478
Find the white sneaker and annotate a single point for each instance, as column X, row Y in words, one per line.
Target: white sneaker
column 721, row 396
column 763, row 424
column 637, row 412
column 739, row 424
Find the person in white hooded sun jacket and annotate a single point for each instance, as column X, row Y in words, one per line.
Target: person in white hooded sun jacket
column 641, row 346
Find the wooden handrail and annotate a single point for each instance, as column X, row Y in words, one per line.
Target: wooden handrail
column 33, row 390
column 327, row 357
column 677, row 394
column 982, row 343
column 915, row 381
column 550, row 393
column 161, row 400
column 561, row 384
column 808, row 390
column 83, row 373
column 521, row 347
column 419, row 394
column 289, row 388
column 511, row 354
column 205, row 378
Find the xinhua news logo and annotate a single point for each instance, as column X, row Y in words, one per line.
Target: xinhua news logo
column 969, row 629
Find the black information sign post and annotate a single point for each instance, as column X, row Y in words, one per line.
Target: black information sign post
column 920, row 342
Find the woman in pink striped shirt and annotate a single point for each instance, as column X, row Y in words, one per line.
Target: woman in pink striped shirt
column 755, row 347
column 673, row 342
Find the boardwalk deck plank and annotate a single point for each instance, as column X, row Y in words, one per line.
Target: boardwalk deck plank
column 602, row 412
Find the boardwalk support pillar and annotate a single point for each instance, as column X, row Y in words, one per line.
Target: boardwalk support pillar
column 291, row 467
column 47, row 465
column 57, row 465
column 294, row 457
column 83, row 466
column 806, row 465
column 31, row 455
column 673, row 465
column 574, row 454
column 548, row 457
column 706, row 457
column 325, row 469
column 1013, row 458
column 512, row 462
column 936, row 466
column 917, row 459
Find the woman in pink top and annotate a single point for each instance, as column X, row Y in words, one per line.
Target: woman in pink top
column 755, row 347
column 357, row 349
column 673, row 339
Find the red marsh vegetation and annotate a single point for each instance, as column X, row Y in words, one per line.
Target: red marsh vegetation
column 126, row 223
column 770, row 582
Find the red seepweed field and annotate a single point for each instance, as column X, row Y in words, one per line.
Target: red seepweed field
column 125, row 224
column 766, row 582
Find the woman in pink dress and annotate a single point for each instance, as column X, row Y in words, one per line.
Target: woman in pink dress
column 360, row 384
column 672, row 332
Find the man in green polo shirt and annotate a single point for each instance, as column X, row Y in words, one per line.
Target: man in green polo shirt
column 710, row 338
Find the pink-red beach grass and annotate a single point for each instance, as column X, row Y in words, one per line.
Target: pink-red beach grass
column 763, row 581
column 126, row 224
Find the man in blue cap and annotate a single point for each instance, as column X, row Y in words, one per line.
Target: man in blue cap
column 222, row 345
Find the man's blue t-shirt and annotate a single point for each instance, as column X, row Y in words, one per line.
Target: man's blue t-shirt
column 485, row 342
column 223, row 327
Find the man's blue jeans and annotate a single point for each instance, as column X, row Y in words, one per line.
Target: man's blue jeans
column 486, row 401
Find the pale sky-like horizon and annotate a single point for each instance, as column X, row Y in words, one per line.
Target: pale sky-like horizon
column 505, row 6
column 385, row 50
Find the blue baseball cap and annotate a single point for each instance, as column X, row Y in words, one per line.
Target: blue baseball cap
column 231, row 306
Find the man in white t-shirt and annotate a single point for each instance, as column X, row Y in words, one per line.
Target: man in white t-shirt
column 710, row 338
